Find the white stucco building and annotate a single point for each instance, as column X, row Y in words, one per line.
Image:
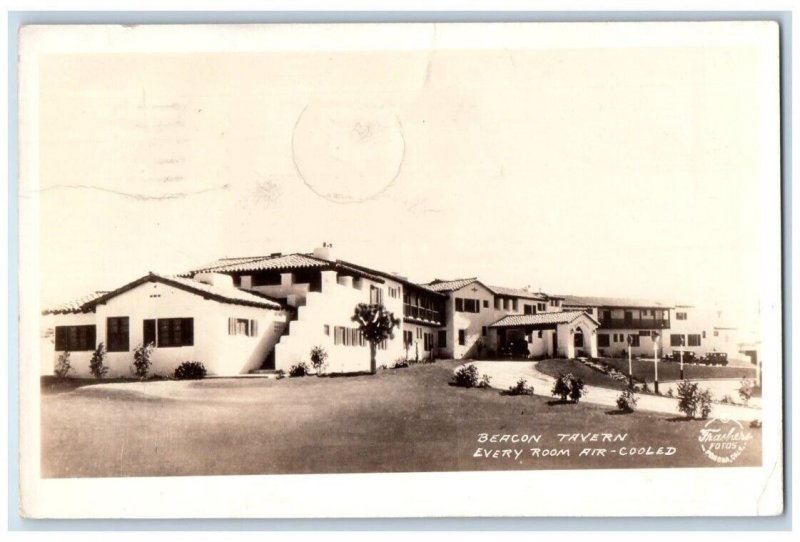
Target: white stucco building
column 266, row 313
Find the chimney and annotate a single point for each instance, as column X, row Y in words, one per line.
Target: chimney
column 325, row 252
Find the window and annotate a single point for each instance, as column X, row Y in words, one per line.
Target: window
column 578, row 339
column 704, row 334
column 628, row 317
column 680, row 316
column 419, row 333
column 676, row 340
column 266, row 279
column 468, row 305
column 442, row 338
column 75, row 338
column 527, row 309
column 394, row 292
column 408, row 337
column 540, row 333
column 693, row 340
column 326, row 329
column 555, row 302
column 348, row 336
column 602, row 340
column 605, row 316
column 117, row 334
column 514, row 305
column 484, row 331
column 462, row 337
column 541, row 307
column 242, row 326
column 634, row 340
column 428, row 342
column 375, row 295
column 485, row 303
column 173, row 332
column 643, row 333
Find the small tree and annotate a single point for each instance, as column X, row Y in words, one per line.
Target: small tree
column 746, row 390
column 97, row 364
column 141, row 359
column 318, row 358
column 627, row 401
column 567, row 385
column 63, row 365
column 693, row 401
column 376, row 325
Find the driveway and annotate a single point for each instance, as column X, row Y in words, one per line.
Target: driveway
column 506, row 373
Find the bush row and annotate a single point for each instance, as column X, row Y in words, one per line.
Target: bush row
column 140, row 367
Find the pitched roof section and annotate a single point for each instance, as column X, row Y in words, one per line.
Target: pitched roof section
column 233, row 296
column 517, row 292
column 74, row 306
column 281, row 262
column 264, row 263
column 391, row 276
column 590, row 301
column 541, row 319
column 449, row 285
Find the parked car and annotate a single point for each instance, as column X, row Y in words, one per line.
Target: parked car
column 716, row 358
column 688, row 356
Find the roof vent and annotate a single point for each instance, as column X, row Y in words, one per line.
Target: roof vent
column 276, row 255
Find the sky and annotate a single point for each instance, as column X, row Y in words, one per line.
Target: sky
column 593, row 171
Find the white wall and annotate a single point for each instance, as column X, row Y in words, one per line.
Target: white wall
column 334, row 306
column 220, row 353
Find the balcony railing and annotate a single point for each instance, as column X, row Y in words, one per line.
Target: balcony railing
column 634, row 323
column 419, row 313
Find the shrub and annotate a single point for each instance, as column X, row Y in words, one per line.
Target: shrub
column 627, row 401
column 63, row 366
column 693, row 401
column 746, row 389
column 568, row 386
column 726, row 400
column 190, row 370
column 96, row 364
column 485, row 381
column 318, row 358
column 141, row 359
column 280, row 373
column 705, row 403
column 466, row 376
column 520, row 388
column 400, row 363
column 301, row 369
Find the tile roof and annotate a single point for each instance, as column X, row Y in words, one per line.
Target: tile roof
column 543, row 318
column 517, row 292
column 391, row 276
column 234, row 296
column 263, row 263
column 591, row 301
column 74, row 306
column 449, row 285
column 281, row 261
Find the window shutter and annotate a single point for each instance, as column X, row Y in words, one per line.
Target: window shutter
column 91, row 336
column 254, row 328
column 149, row 331
column 187, row 331
column 61, row 338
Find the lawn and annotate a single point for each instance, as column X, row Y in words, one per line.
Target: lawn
column 590, row 377
column 669, row 370
column 398, row 420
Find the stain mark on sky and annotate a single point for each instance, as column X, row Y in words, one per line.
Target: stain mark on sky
column 134, row 195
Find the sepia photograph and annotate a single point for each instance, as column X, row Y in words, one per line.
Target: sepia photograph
column 437, row 255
